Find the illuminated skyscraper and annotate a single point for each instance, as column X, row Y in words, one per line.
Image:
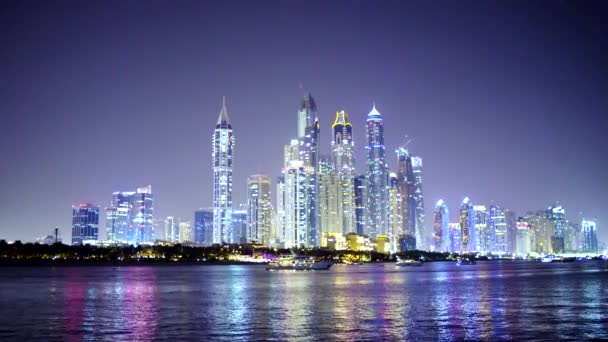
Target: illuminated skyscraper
column 223, row 145
column 405, row 176
column 511, row 220
column 497, row 224
column 441, row 233
column 523, row 239
column 308, row 136
column 296, row 230
column 344, row 163
column 85, row 223
column 203, row 226
column 259, row 209
column 239, row 225
column 486, row 237
column 142, row 215
column 467, row 227
column 395, row 220
column 455, row 237
column 376, row 176
column 360, row 203
column 185, row 232
column 171, row 229
column 540, row 232
column 118, row 218
column 422, row 235
column 556, row 215
column 589, row 236
column 280, row 215
column 330, row 204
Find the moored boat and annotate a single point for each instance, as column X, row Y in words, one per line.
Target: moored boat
column 299, row 263
column 408, row 262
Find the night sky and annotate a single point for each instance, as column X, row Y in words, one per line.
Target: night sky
column 506, row 102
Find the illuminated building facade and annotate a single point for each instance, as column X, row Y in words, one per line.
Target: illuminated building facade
column 497, row 223
column 455, row 237
column 330, row 204
column 344, row 165
column 523, row 239
column 395, row 220
column 259, row 209
column 486, row 237
column 540, row 232
column 441, row 233
column 556, row 215
column 589, row 236
column 360, row 203
column 85, row 223
column 222, row 153
column 203, row 226
column 142, row 215
column 376, row 175
column 469, row 237
column 308, row 136
column 185, row 232
column 171, row 229
column 239, row 226
column 511, row 220
column 422, row 236
column 405, row 176
column 297, row 227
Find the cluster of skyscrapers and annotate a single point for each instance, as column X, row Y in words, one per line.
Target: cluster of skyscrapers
column 322, row 198
column 496, row 230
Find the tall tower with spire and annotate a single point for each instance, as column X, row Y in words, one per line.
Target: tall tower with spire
column 376, row 174
column 223, row 145
column 344, row 164
column 308, row 136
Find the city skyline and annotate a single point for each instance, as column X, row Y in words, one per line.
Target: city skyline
column 54, row 162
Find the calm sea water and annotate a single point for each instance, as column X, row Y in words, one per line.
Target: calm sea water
column 438, row 301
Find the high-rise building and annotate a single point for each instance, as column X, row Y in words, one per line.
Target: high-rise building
column 361, row 203
column 239, row 226
column 589, row 236
column 497, row 224
column 522, row 245
column 330, row 204
column 85, row 223
column 203, row 226
column 344, row 163
column 142, row 215
column 185, row 232
column 441, row 232
column 511, row 221
column 259, row 209
column 281, row 228
column 422, row 235
column 540, row 232
column 486, row 237
column 309, row 140
column 469, row 236
column 222, row 152
column 395, row 220
column 455, row 237
column 405, row 176
column 119, row 227
column 297, row 227
column 171, row 229
column 376, row 175
column 130, row 218
column 556, row 215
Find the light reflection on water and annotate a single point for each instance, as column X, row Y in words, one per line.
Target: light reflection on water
column 438, row 301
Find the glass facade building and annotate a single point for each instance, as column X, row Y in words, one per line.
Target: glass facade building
column 376, row 175
column 222, row 154
column 259, row 209
column 85, row 223
column 441, row 233
column 203, row 226
column 344, row 165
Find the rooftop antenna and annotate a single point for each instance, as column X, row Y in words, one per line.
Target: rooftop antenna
column 407, row 140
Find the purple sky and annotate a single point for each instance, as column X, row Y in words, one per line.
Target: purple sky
column 505, row 101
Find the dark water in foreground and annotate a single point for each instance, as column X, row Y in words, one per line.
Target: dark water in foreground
column 438, row 301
